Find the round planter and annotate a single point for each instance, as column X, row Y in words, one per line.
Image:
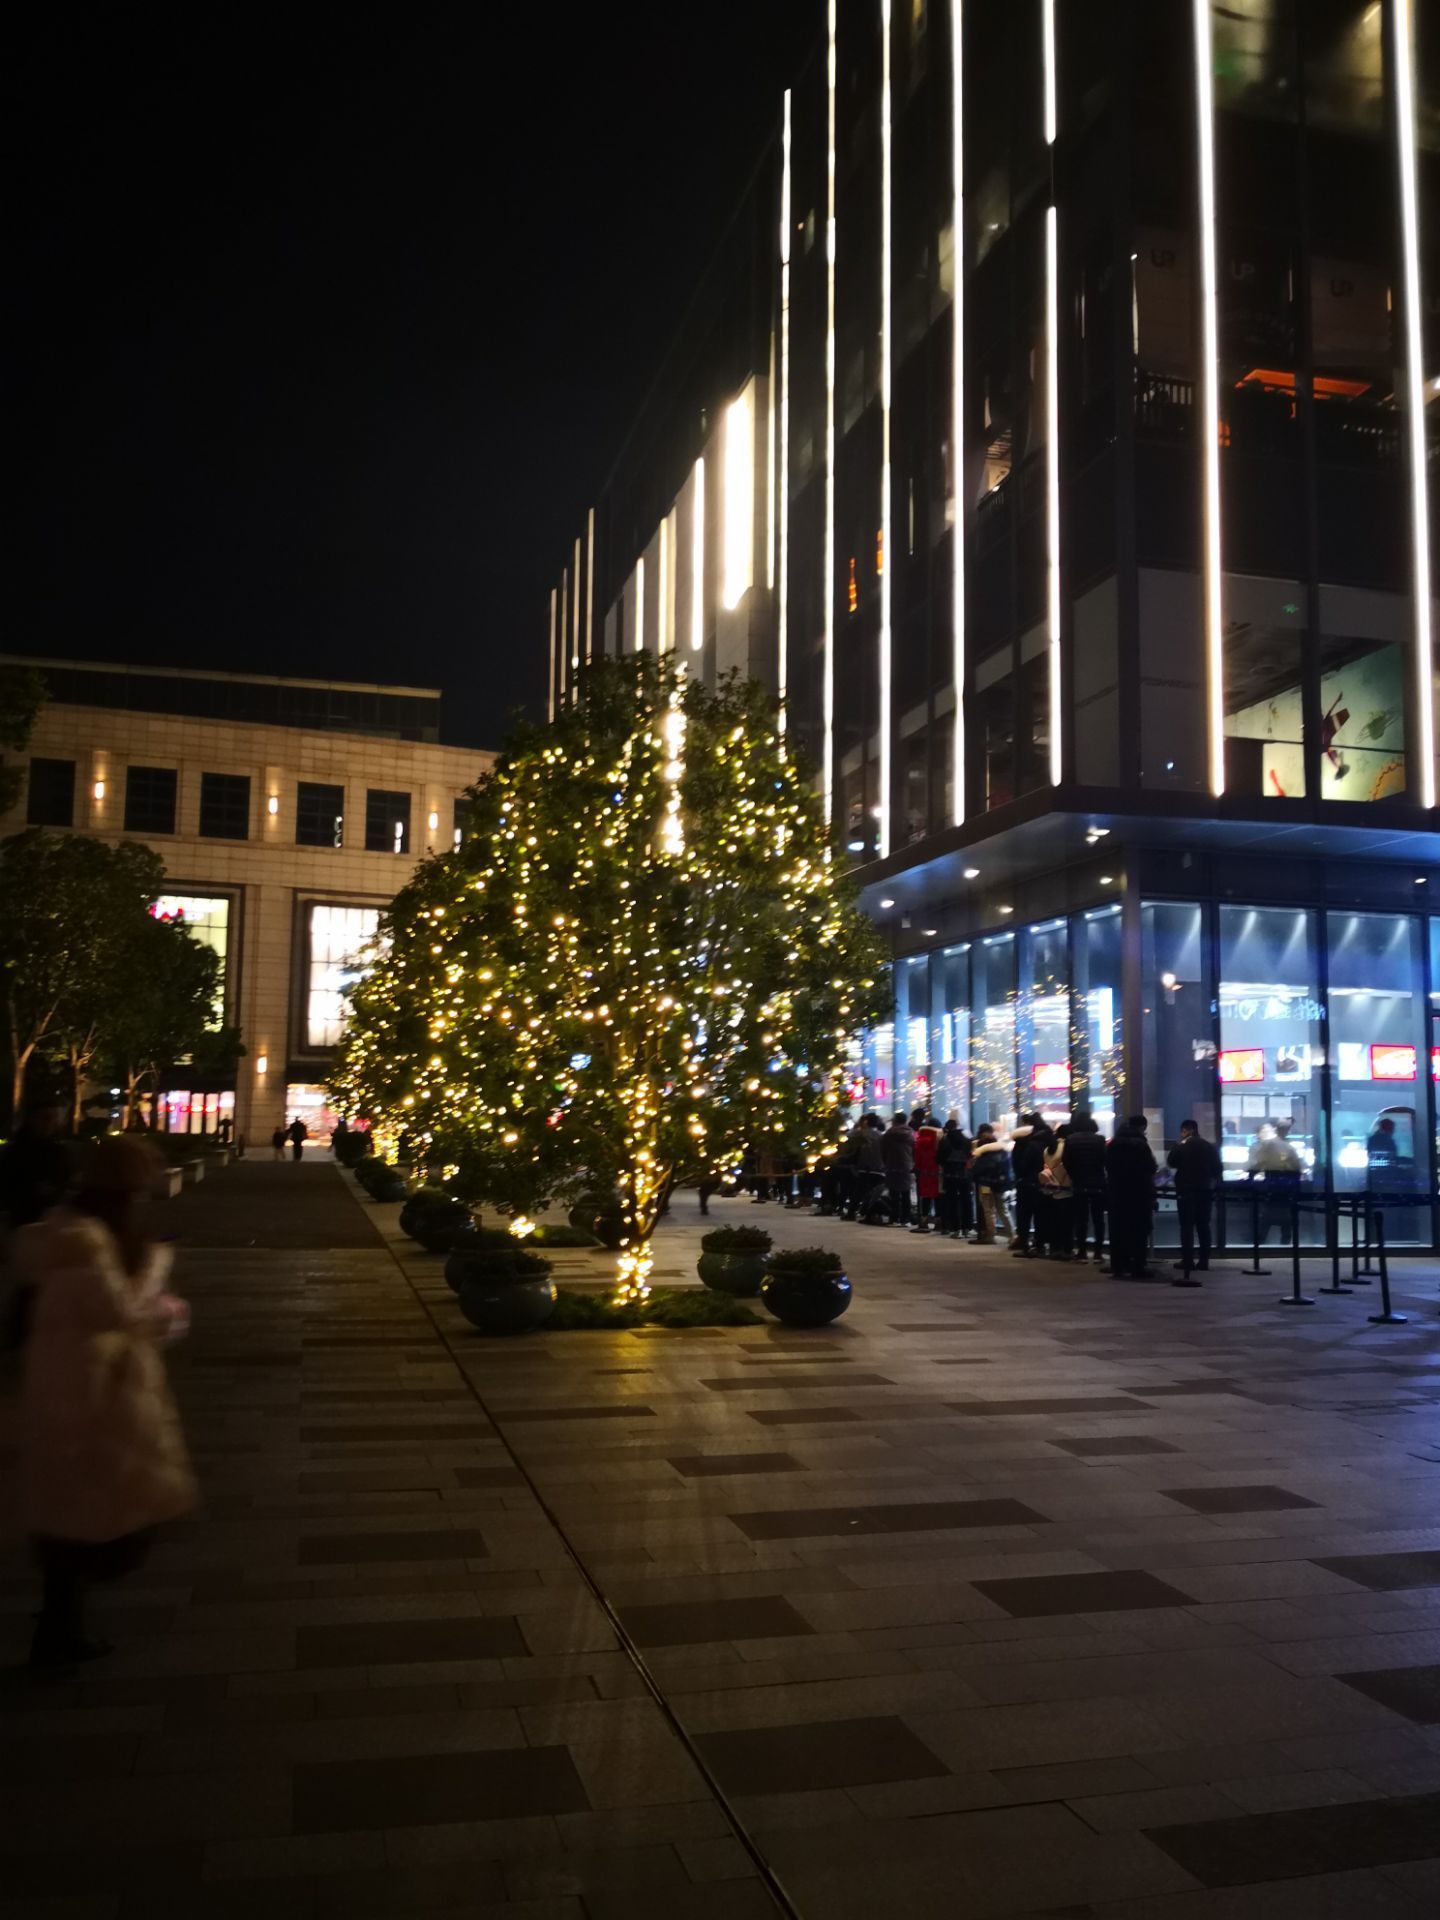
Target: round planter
column 739, row 1274
column 441, row 1233
column 389, row 1188
column 501, row 1304
column 423, row 1216
column 805, row 1299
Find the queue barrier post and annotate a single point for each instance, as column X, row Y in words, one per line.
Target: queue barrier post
column 1387, row 1317
column 1255, row 1266
column 1332, row 1207
column 1295, row 1298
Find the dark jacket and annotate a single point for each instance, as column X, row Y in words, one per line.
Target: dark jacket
column 897, row 1151
column 1195, row 1162
column 1130, row 1170
column 1027, row 1153
column 953, row 1154
column 1085, row 1157
column 868, row 1156
column 990, row 1166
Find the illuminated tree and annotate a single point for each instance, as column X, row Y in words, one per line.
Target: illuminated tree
column 642, row 960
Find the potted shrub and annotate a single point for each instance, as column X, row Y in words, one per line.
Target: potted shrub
column 436, row 1219
column 805, row 1286
column 732, row 1260
column 389, row 1186
column 502, row 1289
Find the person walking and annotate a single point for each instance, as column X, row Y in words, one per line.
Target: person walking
column 277, row 1143
column 1029, row 1144
column 952, row 1156
column 1195, row 1163
column 1130, row 1180
column 991, row 1172
column 102, row 1457
column 298, row 1133
column 897, row 1153
column 927, row 1172
column 1085, row 1163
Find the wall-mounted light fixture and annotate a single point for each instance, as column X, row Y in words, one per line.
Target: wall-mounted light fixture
column 272, row 805
column 262, row 1063
column 99, row 789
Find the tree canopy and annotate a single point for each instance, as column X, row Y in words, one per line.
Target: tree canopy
column 642, row 960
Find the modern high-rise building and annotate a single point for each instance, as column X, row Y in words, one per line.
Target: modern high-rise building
column 1055, row 431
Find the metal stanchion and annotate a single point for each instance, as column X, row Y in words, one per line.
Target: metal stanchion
column 1387, row 1317
column 1295, row 1298
column 1255, row 1266
column 1332, row 1240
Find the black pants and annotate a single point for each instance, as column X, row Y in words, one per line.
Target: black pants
column 1129, row 1236
column 899, row 1186
column 1057, row 1216
column 1089, row 1220
column 297, row 1147
column 957, row 1208
column 68, row 1569
column 1029, row 1216
column 1194, row 1210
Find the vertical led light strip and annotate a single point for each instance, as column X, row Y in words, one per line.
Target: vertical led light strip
column 770, row 470
column 553, row 611
column 662, row 595
column 575, row 616
column 1052, row 414
column 828, row 682
column 564, row 626
column 957, row 385
column 640, row 604
column 590, row 585
column 1210, row 401
column 886, row 556
column 782, row 481
column 697, row 559
column 1400, row 13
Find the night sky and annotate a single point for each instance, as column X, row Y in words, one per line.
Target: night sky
column 331, row 323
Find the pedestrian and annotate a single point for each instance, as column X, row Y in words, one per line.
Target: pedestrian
column 952, row 1155
column 991, row 1172
column 102, row 1457
column 1130, row 1181
column 927, row 1173
column 298, row 1133
column 897, row 1152
column 1195, row 1163
column 277, row 1143
column 1029, row 1144
column 1085, row 1163
column 1276, row 1164
column 1057, row 1199
column 845, row 1168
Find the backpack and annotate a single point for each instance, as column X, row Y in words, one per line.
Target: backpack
column 993, row 1170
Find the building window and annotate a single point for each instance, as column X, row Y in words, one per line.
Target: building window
column 461, row 821
column 225, row 806
column 319, row 815
column 52, row 794
column 150, row 799
column 387, row 821
column 1380, row 1062
column 338, row 937
column 206, row 917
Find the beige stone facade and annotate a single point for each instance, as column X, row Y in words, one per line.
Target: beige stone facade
column 269, row 884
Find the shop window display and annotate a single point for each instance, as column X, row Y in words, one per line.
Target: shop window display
column 950, row 1032
column 1043, row 1020
column 1379, row 1062
column 992, row 1030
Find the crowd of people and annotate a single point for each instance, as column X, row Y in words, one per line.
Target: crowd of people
column 1046, row 1192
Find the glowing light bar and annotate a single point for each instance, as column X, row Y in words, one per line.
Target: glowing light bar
column 640, row 604
column 1052, row 487
column 738, row 535
column 828, row 682
column 886, row 549
column 957, row 385
column 553, row 603
column 1214, row 614
column 697, row 559
column 782, row 484
column 1048, row 29
column 1400, row 13
column 770, row 470
column 590, row 585
column 564, row 624
column 575, row 617
column 662, row 637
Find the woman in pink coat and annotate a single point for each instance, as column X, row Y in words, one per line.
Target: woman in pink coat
column 927, row 1170
column 102, row 1457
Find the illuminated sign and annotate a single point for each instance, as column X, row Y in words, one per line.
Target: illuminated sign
column 1242, row 1063
column 1435, row 1063
column 1050, row 1076
column 1392, row 1062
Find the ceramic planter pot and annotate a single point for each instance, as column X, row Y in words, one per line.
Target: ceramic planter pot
column 802, row 1299
column 498, row 1303
column 739, row 1274
column 389, row 1188
column 424, row 1216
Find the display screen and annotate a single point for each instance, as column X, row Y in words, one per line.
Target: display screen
column 1050, row 1076
column 1242, row 1063
column 1389, row 1062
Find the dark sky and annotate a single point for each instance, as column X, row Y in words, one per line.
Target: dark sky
column 330, row 322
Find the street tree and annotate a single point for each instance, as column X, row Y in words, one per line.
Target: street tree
column 643, row 960
column 22, row 692
column 159, row 1008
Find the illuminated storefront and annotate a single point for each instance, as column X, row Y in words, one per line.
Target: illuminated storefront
column 336, row 940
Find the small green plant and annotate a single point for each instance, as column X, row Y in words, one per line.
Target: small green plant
column 489, row 1262
column 804, row 1260
column 736, row 1240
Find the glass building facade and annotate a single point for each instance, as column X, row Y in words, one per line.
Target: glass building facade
column 1090, row 360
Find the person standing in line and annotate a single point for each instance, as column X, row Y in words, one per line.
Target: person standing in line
column 298, row 1134
column 1195, row 1162
column 1085, row 1163
column 927, row 1171
column 1029, row 1144
column 897, row 1151
column 956, row 1194
column 102, row 1456
column 1130, row 1177
column 990, row 1171
column 1057, row 1199
column 277, row 1143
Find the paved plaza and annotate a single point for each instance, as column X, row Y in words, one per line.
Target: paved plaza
column 1019, row 1591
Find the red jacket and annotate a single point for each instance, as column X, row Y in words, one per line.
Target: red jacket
column 927, row 1172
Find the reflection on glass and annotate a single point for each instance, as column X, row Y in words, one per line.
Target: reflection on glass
column 1043, row 1020
column 1097, row 1063
column 992, row 1030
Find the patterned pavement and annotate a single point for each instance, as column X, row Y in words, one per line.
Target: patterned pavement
column 1016, row 1592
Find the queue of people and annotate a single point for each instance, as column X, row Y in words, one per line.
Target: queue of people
column 1062, row 1193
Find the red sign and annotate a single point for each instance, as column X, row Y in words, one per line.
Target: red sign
column 1392, row 1062
column 1242, row 1063
column 1435, row 1063
column 1050, row 1076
